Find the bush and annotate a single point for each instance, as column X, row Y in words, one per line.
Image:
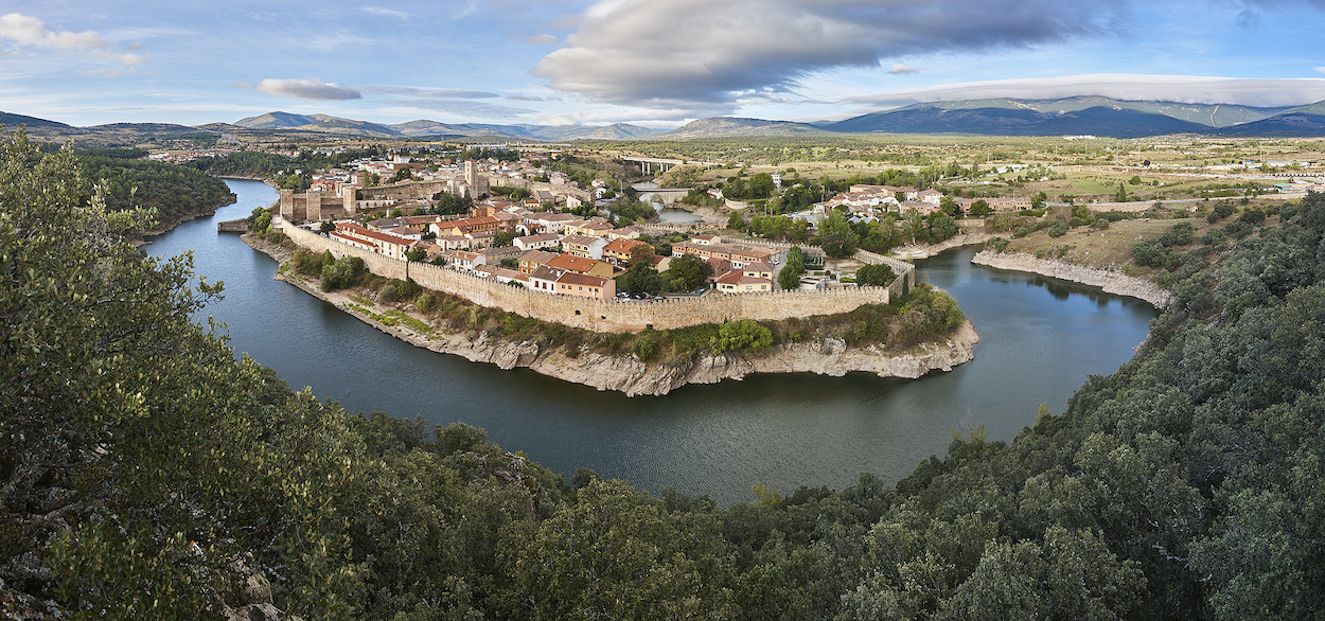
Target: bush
column 1149, row 254
column 1221, row 211
column 342, row 273
column 999, row 244
column 743, row 335
column 424, row 302
column 1057, row 229
column 875, row 275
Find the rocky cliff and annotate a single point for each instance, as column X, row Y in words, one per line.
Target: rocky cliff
column 1110, row 281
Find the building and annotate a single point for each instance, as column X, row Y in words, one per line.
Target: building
column 544, row 279
column 739, row 255
column 741, row 281
column 382, row 243
column 584, row 246
column 706, row 239
column 534, row 259
column 582, row 286
column 620, row 251
column 464, row 259
column 537, row 242
column 581, row 265
column 593, row 227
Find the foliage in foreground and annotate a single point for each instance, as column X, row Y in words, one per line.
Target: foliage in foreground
column 145, row 473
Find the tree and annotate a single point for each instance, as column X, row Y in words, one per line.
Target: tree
column 789, row 277
column 746, row 334
column 687, row 273
column 736, row 221
column 640, row 279
column 836, row 236
column 416, row 254
column 916, row 227
column 503, row 238
column 404, row 173
column 980, row 209
column 876, row 275
column 260, row 220
column 949, row 206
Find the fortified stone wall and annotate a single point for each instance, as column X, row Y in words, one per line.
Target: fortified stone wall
column 602, row 316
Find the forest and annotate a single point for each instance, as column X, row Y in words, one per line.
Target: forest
column 147, row 473
column 172, row 193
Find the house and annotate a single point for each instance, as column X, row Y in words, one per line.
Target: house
column 931, row 196
column 407, row 232
column 534, row 259
column 388, row 244
column 706, row 239
column 581, row 265
column 497, row 254
column 504, row 275
column 537, row 242
column 593, row 227
column 738, row 281
column 461, row 226
column 551, row 222
column 738, row 254
column 582, row 286
column 758, row 270
column 625, row 232
column 464, row 259
column 620, row 251
column 584, row 246
column 544, row 279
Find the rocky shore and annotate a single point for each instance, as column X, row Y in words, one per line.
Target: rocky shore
column 915, row 253
column 1110, row 281
column 629, row 375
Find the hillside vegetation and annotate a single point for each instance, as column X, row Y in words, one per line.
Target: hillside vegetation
column 145, row 473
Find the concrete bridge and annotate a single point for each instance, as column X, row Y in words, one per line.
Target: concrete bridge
column 652, row 165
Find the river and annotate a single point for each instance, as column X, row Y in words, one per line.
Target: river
column 1040, row 340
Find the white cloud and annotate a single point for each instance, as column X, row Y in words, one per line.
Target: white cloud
column 307, row 89
column 901, row 69
column 716, row 51
column 27, row 31
column 385, row 12
column 1319, row 69
column 1149, row 87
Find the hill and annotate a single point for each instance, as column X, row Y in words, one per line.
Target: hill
column 726, row 127
column 1300, row 122
column 1094, row 116
column 9, row 119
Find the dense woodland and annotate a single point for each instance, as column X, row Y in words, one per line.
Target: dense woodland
column 145, row 473
column 173, row 193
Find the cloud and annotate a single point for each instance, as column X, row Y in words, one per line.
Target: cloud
column 307, row 89
column 385, row 12
column 433, row 93
column 541, row 39
column 901, row 69
column 463, row 107
column 1175, row 88
column 726, row 49
column 27, row 31
column 1319, row 69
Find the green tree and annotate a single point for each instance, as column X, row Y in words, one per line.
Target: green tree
column 789, row 277
column 980, row 209
column 836, row 236
column 687, row 273
column 880, row 275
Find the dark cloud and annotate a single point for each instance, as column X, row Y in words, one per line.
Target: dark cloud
column 307, row 89
column 690, row 52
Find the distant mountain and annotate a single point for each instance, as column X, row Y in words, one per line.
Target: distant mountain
column 31, row 122
column 727, row 127
column 1095, row 116
column 1300, row 122
column 317, row 123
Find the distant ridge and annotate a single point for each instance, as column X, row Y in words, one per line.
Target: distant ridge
column 1099, row 116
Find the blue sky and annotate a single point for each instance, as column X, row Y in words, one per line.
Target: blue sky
column 655, row 62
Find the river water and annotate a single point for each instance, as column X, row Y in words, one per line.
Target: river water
column 1041, row 338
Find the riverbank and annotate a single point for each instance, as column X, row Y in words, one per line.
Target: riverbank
column 916, row 253
column 627, row 373
column 1110, row 281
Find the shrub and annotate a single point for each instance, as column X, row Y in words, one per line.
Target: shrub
column 342, row 273
column 746, row 334
column 875, row 275
column 1057, row 229
column 999, row 244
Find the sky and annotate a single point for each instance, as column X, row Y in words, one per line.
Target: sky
column 650, row 62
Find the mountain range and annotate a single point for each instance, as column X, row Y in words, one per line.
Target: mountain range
column 1099, row 116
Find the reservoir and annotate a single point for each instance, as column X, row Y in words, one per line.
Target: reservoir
column 1041, row 339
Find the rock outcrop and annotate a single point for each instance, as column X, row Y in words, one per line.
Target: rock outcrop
column 1110, row 281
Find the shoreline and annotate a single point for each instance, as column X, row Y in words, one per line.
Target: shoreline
column 917, row 253
column 633, row 377
column 1111, row 282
